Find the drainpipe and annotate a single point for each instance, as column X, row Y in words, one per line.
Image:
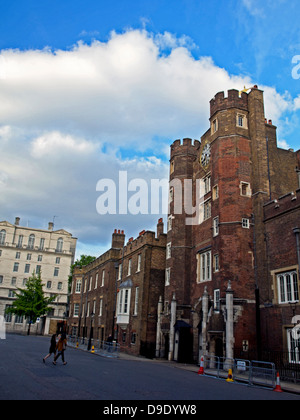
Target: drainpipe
column 296, row 231
column 172, row 327
column 229, row 322
column 158, row 328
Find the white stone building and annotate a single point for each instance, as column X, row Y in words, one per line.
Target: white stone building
column 24, row 250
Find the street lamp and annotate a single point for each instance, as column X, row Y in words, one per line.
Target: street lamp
column 90, row 339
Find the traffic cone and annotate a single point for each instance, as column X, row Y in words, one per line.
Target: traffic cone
column 230, row 377
column 93, row 349
column 77, row 345
column 201, row 370
column 278, row 387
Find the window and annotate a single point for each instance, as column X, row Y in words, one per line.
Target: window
column 172, row 167
column 168, row 251
column 24, row 282
column 245, row 223
column 139, row 262
column 120, row 271
column 124, row 301
column 103, row 277
column 204, row 266
column 241, row 121
column 169, row 225
column 56, row 271
column 207, row 184
column 20, row 241
column 19, row 319
column 1, row 279
column 100, row 307
column 214, row 126
column 40, row 258
column 27, row 268
column 78, row 286
column 217, row 300
column 16, row 267
column 216, row 226
column 2, row 237
column 59, row 245
column 18, row 255
column 207, row 210
column 28, row 257
column 31, row 240
column 216, row 263
column 215, row 192
column 13, row 281
column 11, row 293
column 38, row 269
column 7, row 316
column 136, row 301
column 168, row 273
column 49, row 284
column 245, row 189
column 129, row 267
column 59, row 285
column 287, row 286
column 57, row 260
column 76, row 309
column 133, row 338
column 42, row 244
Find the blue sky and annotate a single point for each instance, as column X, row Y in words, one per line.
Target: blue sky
column 89, row 88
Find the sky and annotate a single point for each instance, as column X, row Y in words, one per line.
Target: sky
column 93, row 93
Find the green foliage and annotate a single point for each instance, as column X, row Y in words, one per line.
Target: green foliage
column 84, row 260
column 31, row 302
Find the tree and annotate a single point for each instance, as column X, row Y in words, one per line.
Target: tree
column 31, row 302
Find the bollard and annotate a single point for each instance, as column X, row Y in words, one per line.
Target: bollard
column 201, row 370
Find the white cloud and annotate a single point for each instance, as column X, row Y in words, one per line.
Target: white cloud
column 68, row 116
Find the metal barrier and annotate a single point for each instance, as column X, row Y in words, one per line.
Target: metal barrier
column 103, row 348
column 251, row 372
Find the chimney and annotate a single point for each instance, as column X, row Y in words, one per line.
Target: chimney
column 17, row 221
column 50, row 226
column 118, row 239
column 160, row 227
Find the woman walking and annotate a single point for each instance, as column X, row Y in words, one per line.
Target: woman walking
column 61, row 347
column 52, row 348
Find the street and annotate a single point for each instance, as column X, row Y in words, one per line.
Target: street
column 24, row 376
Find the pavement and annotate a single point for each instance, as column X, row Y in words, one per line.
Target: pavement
column 283, row 385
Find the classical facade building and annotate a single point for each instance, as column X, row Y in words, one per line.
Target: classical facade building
column 24, row 250
column 232, row 263
column 117, row 294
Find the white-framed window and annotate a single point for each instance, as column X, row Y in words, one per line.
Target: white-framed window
column 124, row 301
column 49, row 284
column 56, row 271
column 287, row 286
column 293, row 343
column 139, row 264
column 216, row 263
column 245, row 189
column 16, row 267
column 78, row 286
column 169, row 225
column 204, row 266
column 207, row 210
column 76, row 309
column 207, row 184
column 168, row 274
column 120, row 271
column 129, row 267
column 215, row 192
column 136, row 301
column 245, row 223
column 103, row 278
column 217, row 300
column 96, row 280
column 216, row 226
column 100, row 307
column 59, row 285
column 168, row 250
column 214, row 126
column 31, row 240
column 241, row 120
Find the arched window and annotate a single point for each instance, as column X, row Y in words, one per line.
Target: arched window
column 31, row 241
column 2, row 237
column 59, row 245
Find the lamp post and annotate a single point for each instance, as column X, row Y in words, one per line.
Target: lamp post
column 90, row 339
column 115, row 300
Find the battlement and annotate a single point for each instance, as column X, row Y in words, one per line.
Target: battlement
column 187, row 146
column 233, row 100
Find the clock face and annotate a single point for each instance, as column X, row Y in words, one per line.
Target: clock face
column 205, row 155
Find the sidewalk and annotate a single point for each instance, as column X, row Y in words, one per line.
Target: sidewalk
column 285, row 386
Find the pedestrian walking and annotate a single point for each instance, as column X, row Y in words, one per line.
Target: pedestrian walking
column 61, row 347
column 52, row 348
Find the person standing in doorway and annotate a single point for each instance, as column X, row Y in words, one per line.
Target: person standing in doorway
column 61, row 347
column 52, row 349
